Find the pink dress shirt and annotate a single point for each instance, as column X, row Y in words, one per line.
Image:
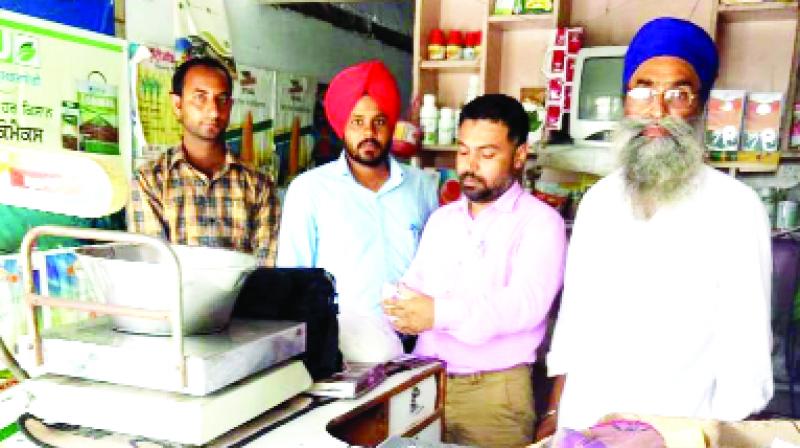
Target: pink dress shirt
column 493, row 279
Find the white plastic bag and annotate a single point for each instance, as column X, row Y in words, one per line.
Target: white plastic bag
column 367, row 338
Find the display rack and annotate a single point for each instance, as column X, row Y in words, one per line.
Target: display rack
column 507, row 40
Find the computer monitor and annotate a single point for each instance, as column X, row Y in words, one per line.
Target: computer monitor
column 597, row 95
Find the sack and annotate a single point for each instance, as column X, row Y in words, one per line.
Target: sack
column 297, row 294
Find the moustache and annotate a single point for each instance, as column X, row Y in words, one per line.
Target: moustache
column 473, row 176
column 673, row 127
column 372, row 141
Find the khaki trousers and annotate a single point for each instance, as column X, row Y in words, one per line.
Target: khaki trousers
column 490, row 409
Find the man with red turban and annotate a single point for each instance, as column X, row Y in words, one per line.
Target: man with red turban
column 359, row 217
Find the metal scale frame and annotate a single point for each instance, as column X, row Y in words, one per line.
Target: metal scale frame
column 176, row 412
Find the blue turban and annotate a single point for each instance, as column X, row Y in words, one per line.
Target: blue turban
column 667, row 36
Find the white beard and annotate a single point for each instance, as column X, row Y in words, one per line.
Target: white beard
column 657, row 170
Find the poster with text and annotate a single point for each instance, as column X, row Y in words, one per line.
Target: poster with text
column 64, row 123
column 249, row 133
column 296, row 95
column 156, row 127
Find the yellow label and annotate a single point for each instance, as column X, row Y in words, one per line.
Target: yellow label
column 539, row 5
column 454, row 52
column 435, row 52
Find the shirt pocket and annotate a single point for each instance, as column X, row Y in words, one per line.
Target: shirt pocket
column 405, row 238
column 415, row 232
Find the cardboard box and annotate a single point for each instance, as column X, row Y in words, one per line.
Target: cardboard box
column 679, row 432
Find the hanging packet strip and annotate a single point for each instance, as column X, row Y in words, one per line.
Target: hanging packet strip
column 201, row 29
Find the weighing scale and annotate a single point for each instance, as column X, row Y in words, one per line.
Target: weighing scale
column 184, row 389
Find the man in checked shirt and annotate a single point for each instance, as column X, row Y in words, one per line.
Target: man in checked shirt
column 198, row 193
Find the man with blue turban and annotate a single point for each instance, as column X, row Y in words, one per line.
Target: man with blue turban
column 665, row 308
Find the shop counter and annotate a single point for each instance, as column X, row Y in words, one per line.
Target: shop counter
column 408, row 403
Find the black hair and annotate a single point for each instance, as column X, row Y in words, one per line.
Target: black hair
column 180, row 73
column 499, row 108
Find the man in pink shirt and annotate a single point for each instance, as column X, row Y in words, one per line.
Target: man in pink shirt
column 483, row 279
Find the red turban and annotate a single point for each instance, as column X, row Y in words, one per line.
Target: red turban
column 370, row 78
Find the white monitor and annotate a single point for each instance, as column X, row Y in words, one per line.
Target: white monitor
column 597, row 98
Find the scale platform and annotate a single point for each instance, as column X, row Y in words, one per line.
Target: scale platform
column 94, row 350
column 164, row 415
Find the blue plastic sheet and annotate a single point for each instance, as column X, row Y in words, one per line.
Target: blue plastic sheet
column 92, row 15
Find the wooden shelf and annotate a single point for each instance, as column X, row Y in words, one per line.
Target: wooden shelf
column 790, row 156
column 747, row 162
column 522, row 21
column 745, row 167
column 460, row 65
column 757, row 12
column 783, row 156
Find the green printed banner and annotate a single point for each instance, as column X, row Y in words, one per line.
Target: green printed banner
column 62, row 90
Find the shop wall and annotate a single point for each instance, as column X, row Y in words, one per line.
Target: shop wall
column 269, row 37
column 614, row 22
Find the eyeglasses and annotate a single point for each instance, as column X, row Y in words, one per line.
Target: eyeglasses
column 676, row 98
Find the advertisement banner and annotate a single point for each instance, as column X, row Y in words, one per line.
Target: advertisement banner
column 250, row 130
column 296, row 95
column 64, row 122
column 155, row 126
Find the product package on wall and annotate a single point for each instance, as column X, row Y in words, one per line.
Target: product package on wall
column 201, row 29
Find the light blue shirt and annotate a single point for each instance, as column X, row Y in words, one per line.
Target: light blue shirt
column 363, row 238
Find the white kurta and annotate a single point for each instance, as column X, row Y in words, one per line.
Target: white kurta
column 668, row 316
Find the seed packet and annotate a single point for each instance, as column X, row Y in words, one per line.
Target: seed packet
column 724, row 113
column 762, row 121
